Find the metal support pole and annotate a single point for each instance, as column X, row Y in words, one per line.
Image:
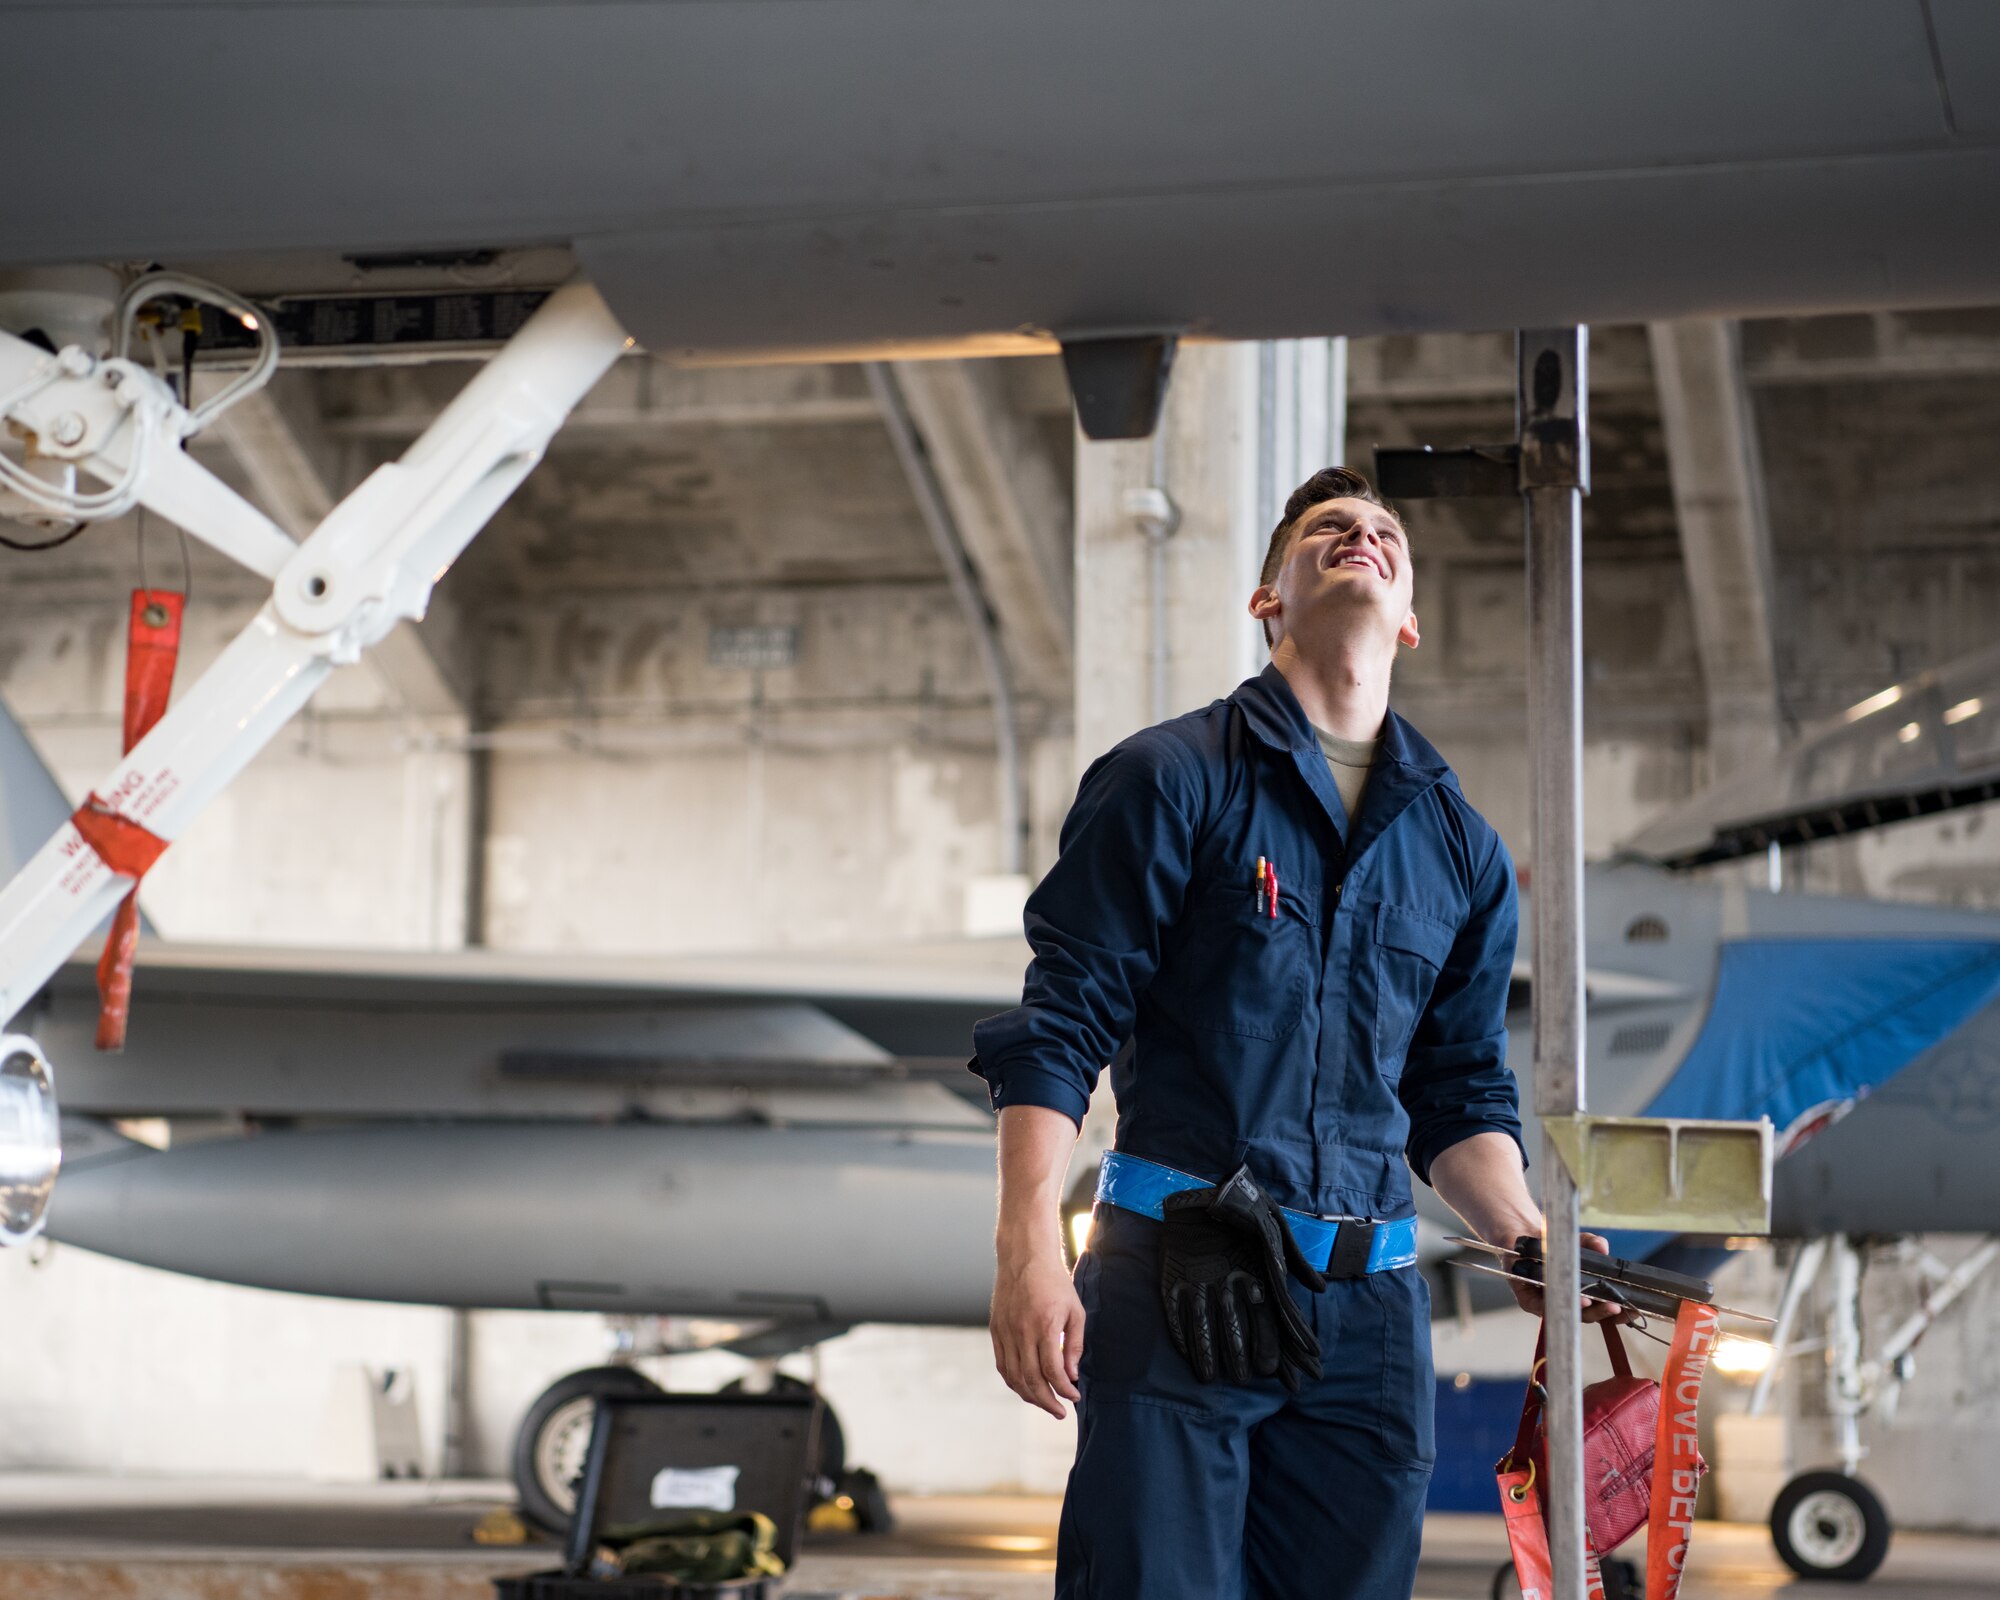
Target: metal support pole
column 1158, row 520
column 1846, row 1390
column 452, row 1458
column 1554, row 468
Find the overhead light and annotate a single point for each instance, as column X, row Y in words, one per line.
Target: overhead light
column 1907, row 733
column 1874, row 703
column 1079, row 1233
column 1741, row 1357
column 248, row 321
column 1963, row 710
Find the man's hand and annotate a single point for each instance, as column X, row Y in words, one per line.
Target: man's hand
column 1036, row 1319
column 1530, row 1295
column 1481, row 1179
column 1037, row 1328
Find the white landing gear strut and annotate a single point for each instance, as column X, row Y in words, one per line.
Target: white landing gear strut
column 1829, row 1523
column 369, row 565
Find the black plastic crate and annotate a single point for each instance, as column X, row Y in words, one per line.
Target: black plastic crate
column 769, row 1442
column 646, row 1448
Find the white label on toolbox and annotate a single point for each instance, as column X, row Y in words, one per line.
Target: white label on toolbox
column 695, row 1489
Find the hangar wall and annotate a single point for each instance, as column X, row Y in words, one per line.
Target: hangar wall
column 605, row 781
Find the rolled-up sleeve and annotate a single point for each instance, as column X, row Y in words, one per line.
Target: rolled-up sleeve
column 1456, row 1081
column 1095, row 924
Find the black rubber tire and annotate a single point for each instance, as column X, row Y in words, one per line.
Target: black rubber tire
column 832, row 1438
column 1505, row 1585
column 1856, row 1530
column 547, row 1504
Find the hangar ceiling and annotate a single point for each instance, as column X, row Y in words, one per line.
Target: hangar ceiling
column 687, row 516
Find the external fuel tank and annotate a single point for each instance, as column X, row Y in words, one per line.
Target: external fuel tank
column 737, row 1222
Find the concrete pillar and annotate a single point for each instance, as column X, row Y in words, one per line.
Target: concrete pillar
column 1725, row 532
column 1160, row 621
column 1245, row 424
column 1301, row 416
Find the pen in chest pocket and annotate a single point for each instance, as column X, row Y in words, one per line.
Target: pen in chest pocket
column 1267, row 886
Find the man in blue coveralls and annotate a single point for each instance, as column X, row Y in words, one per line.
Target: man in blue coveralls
column 1305, row 932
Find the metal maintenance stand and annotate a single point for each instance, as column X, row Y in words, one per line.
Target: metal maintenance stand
column 1554, row 476
column 1549, row 467
column 1676, row 1175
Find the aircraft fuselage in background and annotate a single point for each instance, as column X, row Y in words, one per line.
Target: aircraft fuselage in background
column 492, row 1140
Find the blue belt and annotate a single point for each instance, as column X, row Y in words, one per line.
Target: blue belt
column 1341, row 1247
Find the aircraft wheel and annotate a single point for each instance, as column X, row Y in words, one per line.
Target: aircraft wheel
column 554, row 1440
column 832, row 1438
column 1828, row 1525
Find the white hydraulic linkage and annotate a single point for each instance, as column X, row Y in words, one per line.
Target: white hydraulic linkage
column 371, row 564
column 1856, row 1383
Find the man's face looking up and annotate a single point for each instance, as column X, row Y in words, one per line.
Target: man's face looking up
column 1346, row 570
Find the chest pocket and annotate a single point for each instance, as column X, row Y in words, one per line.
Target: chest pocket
column 1410, row 950
column 1240, row 970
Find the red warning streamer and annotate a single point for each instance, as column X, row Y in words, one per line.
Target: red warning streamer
column 1677, row 1463
column 153, row 645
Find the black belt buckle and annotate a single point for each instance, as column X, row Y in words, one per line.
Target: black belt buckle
column 1353, row 1244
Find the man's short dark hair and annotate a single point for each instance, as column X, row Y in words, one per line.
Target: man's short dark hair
column 1329, row 483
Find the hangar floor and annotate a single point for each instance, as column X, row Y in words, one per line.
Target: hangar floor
column 177, row 1539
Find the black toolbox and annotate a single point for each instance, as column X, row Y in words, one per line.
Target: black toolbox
column 665, row 1452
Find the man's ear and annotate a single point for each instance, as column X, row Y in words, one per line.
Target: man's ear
column 1264, row 603
column 1407, row 634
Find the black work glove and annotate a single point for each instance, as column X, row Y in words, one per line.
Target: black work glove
column 1225, row 1256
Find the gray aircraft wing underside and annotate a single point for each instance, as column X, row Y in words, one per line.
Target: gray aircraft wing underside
column 756, row 179
column 861, row 1036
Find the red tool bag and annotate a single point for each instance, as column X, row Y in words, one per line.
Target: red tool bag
column 1641, row 1464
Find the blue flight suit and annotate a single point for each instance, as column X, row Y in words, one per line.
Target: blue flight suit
column 1332, row 1048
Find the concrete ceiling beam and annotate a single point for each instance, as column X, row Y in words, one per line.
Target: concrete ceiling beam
column 1718, row 486
column 1006, row 495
